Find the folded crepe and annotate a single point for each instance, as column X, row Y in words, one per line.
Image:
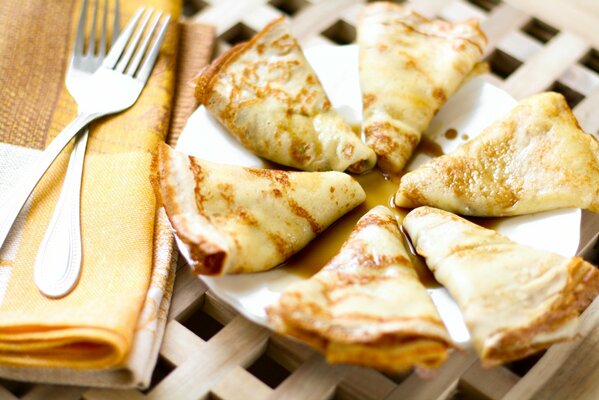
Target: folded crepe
column 236, row 220
column 108, row 330
column 267, row 95
column 516, row 300
column 534, row 159
column 409, row 66
column 367, row 305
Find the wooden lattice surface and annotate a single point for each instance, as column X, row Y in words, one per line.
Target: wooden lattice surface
column 211, row 351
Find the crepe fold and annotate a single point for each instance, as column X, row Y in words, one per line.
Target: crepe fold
column 367, row 305
column 236, row 220
column 409, row 66
column 536, row 158
column 269, row 98
column 516, row 300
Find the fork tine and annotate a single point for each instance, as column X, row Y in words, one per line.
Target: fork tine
column 102, row 49
column 80, row 37
column 131, row 48
column 91, row 43
column 142, row 48
column 148, row 65
column 117, row 49
column 116, row 25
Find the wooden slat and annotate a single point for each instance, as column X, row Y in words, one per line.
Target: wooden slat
column 188, row 294
column 586, row 113
column 107, row 394
column 581, row 79
column 446, row 378
column 519, row 45
column 260, row 16
column 541, row 70
column 316, row 18
column 501, row 21
column 351, row 14
column 313, row 380
column 237, row 344
column 180, row 343
column 240, row 384
column 590, row 251
column 492, row 383
column 288, row 352
column 429, row 8
column 365, row 384
column 565, row 15
column 224, row 14
column 218, row 309
column 44, row 392
column 461, row 11
column 6, row 395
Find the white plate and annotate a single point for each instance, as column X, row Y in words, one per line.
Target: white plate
column 469, row 110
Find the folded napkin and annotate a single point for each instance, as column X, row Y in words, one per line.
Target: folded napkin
column 108, row 330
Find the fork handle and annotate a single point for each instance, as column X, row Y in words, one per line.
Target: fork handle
column 58, row 262
column 17, row 196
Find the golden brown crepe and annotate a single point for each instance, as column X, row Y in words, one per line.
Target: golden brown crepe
column 268, row 96
column 516, row 300
column 409, row 66
column 366, row 306
column 236, row 220
column 535, row 159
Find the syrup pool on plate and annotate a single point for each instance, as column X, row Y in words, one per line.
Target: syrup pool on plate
column 430, row 147
column 379, row 190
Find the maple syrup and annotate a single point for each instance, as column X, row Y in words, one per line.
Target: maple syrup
column 424, row 273
column 379, row 190
column 451, row 134
column 430, row 148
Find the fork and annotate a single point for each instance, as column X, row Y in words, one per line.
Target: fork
column 114, row 87
column 62, row 242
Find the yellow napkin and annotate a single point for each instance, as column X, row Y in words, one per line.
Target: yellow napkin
column 96, row 324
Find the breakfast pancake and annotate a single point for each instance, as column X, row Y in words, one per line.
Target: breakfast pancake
column 236, row 220
column 367, row 305
column 516, row 300
column 269, row 98
column 409, row 66
column 537, row 158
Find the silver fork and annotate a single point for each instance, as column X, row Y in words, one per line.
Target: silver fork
column 62, row 242
column 114, row 87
